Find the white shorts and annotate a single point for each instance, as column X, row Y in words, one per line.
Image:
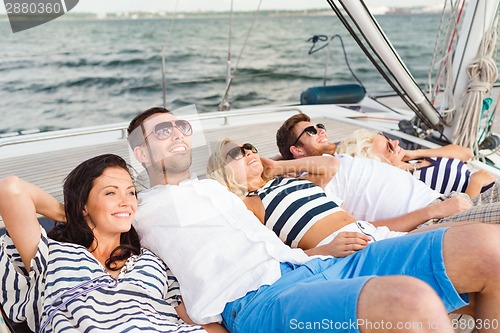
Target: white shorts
column 375, row 233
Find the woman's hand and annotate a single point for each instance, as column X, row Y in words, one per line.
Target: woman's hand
column 410, row 155
column 450, row 206
column 271, row 168
column 344, row 244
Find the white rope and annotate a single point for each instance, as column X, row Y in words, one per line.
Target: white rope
column 482, row 73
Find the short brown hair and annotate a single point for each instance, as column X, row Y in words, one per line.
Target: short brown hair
column 138, row 121
column 285, row 137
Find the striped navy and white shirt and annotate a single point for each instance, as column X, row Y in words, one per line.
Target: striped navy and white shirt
column 68, row 290
column 292, row 206
column 445, row 175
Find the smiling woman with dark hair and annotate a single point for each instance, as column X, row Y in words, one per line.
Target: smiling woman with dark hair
column 90, row 273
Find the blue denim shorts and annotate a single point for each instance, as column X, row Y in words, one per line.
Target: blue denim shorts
column 321, row 295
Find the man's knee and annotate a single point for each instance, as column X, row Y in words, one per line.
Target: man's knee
column 400, row 298
column 478, row 240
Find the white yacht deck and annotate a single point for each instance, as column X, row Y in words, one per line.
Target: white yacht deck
column 55, row 158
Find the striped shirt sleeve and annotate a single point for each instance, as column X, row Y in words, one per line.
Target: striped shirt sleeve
column 171, row 292
column 21, row 291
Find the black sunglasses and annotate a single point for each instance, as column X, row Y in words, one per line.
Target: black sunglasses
column 390, row 146
column 163, row 130
column 237, row 153
column 311, row 130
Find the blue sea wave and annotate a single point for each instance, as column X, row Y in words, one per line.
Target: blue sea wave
column 111, row 70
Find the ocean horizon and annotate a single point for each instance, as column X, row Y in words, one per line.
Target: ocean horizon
column 75, row 72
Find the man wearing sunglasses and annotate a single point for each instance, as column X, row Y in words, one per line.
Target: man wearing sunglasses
column 231, row 268
column 375, row 191
column 163, row 145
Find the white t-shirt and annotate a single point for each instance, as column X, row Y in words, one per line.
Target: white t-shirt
column 372, row 190
column 217, row 249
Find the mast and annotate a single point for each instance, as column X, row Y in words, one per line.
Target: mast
column 393, row 69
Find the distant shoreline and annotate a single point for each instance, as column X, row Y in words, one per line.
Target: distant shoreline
column 224, row 14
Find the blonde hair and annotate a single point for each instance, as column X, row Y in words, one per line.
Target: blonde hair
column 360, row 144
column 218, row 170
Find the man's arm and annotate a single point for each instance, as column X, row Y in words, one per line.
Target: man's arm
column 320, row 169
column 410, row 221
column 450, row 151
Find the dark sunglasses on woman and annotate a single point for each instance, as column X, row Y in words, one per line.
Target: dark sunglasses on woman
column 237, row 153
column 390, row 147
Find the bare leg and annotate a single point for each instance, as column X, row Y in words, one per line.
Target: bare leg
column 469, row 309
column 401, row 304
column 472, row 261
column 441, row 225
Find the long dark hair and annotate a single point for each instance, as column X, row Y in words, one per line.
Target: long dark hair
column 77, row 187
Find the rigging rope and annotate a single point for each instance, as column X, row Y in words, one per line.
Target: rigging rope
column 324, row 38
column 482, row 73
column 449, row 112
column 381, row 66
column 444, row 73
column 163, row 67
column 447, row 45
column 474, row 121
column 224, row 104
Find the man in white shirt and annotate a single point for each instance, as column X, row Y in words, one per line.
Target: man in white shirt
column 232, row 268
column 375, row 191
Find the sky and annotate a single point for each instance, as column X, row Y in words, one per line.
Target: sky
column 108, row 6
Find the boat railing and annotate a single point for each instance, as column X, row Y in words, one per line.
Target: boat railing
column 59, row 135
column 122, row 127
column 249, row 112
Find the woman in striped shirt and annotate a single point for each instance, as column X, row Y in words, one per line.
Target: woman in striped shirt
column 296, row 209
column 88, row 274
column 443, row 169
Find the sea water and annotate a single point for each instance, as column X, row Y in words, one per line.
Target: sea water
column 74, row 72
